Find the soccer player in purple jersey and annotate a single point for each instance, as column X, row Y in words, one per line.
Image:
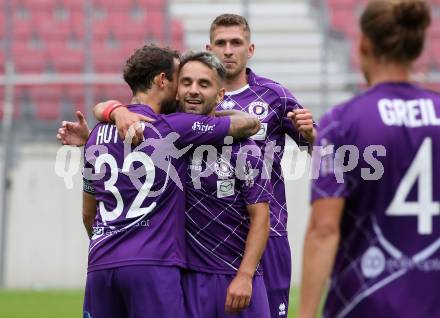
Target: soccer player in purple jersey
column 375, row 223
column 227, row 208
column 273, row 104
column 230, row 40
column 134, row 197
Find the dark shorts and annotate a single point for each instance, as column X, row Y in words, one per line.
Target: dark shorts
column 277, row 272
column 205, row 296
column 134, row 292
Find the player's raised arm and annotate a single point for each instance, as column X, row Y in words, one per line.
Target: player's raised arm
column 74, row 133
column 242, row 125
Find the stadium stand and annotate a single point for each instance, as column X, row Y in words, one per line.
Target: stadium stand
column 344, row 16
column 48, row 37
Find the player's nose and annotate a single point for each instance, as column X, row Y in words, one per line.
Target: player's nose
column 194, row 89
column 228, row 49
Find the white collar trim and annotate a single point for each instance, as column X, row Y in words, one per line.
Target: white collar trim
column 238, row 91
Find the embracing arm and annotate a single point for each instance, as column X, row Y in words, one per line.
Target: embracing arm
column 242, row 125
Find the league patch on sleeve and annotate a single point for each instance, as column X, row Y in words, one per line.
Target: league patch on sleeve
column 88, row 187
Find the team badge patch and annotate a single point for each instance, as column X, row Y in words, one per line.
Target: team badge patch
column 228, row 104
column 223, row 168
column 225, row 188
column 259, row 109
column 261, row 134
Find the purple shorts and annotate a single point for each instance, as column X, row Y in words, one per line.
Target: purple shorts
column 277, row 271
column 134, row 292
column 205, row 296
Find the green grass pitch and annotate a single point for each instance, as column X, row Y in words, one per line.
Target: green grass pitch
column 62, row 303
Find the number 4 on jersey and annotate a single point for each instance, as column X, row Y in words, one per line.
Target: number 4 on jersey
column 425, row 208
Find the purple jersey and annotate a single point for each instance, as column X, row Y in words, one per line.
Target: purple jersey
column 270, row 102
column 380, row 151
column 222, row 181
column 140, row 191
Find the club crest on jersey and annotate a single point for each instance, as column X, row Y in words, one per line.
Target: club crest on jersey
column 225, row 188
column 228, row 104
column 223, row 168
column 259, row 109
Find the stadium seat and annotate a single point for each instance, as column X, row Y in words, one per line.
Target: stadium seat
column 28, row 59
column 344, row 19
column 178, row 35
column 47, row 100
column 22, row 28
column 435, row 53
column 107, row 59
column 65, row 59
column 119, row 92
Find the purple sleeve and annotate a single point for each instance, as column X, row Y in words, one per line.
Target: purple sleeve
column 288, row 104
column 249, row 172
column 327, row 179
column 198, row 129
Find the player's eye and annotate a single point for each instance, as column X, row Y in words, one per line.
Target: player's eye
column 204, row 84
column 186, row 82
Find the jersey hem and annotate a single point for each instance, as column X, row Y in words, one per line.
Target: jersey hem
column 92, row 268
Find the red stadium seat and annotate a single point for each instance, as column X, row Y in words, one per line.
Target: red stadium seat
column 107, row 59
column 47, row 101
column 435, row 53
column 156, row 4
column 28, row 59
column 178, row 36
column 65, row 59
column 22, row 28
column 119, row 92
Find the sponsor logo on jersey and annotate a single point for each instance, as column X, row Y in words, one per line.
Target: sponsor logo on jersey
column 282, row 309
column 373, row 262
column 198, row 126
column 261, row 134
column 97, row 232
column 223, row 168
column 225, row 188
column 259, row 109
column 228, row 104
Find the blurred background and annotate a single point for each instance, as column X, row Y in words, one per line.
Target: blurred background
column 58, row 56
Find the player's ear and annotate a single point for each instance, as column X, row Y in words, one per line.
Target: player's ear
column 220, row 95
column 159, row 80
column 364, row 46
column 251, row 50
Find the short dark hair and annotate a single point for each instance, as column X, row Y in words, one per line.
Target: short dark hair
column 147, row 62
column 207, row 58
column 396, row 29
column 227, row 20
